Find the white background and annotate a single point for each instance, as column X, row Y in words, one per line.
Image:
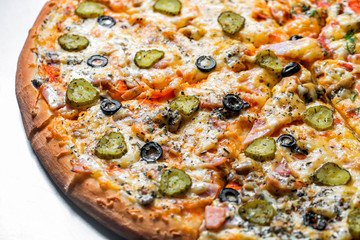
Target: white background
column 31, row 206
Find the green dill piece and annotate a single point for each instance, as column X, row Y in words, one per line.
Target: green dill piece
column 353, row 96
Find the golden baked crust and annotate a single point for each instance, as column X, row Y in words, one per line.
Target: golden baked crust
column 105, row 206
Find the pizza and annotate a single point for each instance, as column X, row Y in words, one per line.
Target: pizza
column 178, row 119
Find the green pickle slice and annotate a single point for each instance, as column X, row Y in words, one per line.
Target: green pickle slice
column 174, row 182
column 331, row 174
column 147, row 58
column 169, row 7
column 72, row 42
column 80, row 93
column 258, row 212
column 267, row 59
column 261, row 149
column 185, row 105
column 318, row 117
column 231, row 22
column 89, row 9
column 111, row 146
column 353, row 221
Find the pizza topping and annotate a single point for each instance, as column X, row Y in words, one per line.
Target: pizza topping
column 111, row 146
column 205, row 63
column 173, row 120
column 290, row 69
column 257, row 211
column 110, row 107
column 214, row 217
column 229, row 195
column 309, row 92
column 234, row 103
column 151, row 152
column 106, row 21
column 315, row 221
column 147, row 58
column 261, row 149
column 331, row 174
column 89, row 9
column 97, row 61
column 174, row 182
column 319, row 117
column 231, row 22
column 36, row 83
column 72, row 42
column 169, row 7
column 353, row 221
column 185, row 105
column 287, row 140
column 267, row 59
column 295, row 37
column 80, row 93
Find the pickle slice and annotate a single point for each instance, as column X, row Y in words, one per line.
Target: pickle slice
column 353, row 221
column 147, row 58
column 80, row 93
column 89, row 9
column 258, row 212
column 174, row 182
column 169, row 7
column 318, row 117
column 72, row 42
column 267, row 59
column 111, row 146
column 231, row 22
column 185, row 105
column 331, row 174
column 261, row 149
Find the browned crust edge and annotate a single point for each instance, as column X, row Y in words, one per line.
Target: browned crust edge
column 104, row 205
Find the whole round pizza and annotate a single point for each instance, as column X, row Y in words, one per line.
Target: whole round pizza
column 202, row 119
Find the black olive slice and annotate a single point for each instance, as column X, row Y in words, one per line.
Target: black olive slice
column 229, row 195
column 315, row 221
column 286, row 140
column 205, row 63
column 290, row 69
column 97, row 61
column 299, row 150
column 36, row 83
column 151, row 152
column 295, row 37
column 106, row 21
column 110, row 107
column 234, row 103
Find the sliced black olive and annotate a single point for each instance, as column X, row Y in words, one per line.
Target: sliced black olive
column 295, row 37
column 299, row 150
column 290, row 69
column 286, row 140
column 97, row 61
column 229, row 195
column 110, row 107
column 315, row 221
column 106, row 21
column 205, row 63
column 36, row 83
column 234, row 103
column 151, row 152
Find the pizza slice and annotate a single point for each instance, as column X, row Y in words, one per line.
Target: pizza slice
column 296, row 178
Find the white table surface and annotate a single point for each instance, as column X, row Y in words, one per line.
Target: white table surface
column 31, row 206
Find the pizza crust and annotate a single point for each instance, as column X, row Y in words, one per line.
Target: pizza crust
column 106, row 206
